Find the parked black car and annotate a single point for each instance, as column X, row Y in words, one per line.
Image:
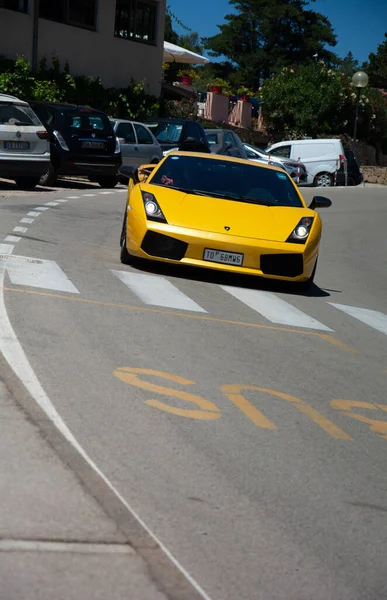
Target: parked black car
column 180, row 134
column 82, row 142
column 225, row 142
column 354, row 174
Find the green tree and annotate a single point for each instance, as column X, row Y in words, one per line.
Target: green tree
column 191, row 41
column 377, row 66
column 349, row 65
column 170, row 34
column 265, row 35
column 319, row 100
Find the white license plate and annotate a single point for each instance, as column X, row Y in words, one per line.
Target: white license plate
column 225, row 258
column 16, row 145
column 99, row 145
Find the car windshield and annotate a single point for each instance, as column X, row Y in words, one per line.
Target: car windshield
column 167, row 133
column 225, row 179
column 88, row 121
column 17, row 114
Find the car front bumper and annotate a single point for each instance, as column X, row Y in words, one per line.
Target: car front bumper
column 274, row 260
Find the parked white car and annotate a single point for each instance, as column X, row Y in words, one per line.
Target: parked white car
column 24, row 143
column 321, row 158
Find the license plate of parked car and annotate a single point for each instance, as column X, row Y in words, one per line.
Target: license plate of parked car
column 16, row 145
column 226, row 258
column 98, row 145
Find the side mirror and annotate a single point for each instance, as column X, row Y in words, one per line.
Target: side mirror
column 320, row 202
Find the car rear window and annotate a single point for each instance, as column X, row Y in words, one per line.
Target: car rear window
column 212, row 139
column 220, row 178
column 87, row 121
column 17, row 114
column 167, row 133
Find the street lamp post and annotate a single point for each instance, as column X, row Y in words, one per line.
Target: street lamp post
column 360, row 81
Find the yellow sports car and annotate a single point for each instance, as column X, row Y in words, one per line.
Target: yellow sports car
column 222, row 213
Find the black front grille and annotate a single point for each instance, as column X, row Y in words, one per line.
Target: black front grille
column 163, row 246
column 284, row 265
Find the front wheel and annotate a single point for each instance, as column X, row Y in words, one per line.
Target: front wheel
column 49, row 177
column 125, row 257
column 305, row 286
column 323, row 180
column 27, row 183
column 108, row 182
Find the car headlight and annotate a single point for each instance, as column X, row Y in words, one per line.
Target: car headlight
column 301, row 233
column 152, row 209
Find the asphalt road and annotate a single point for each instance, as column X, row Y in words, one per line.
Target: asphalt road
column 250, row 437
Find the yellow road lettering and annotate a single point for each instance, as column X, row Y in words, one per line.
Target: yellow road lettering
column 233, row 392
column 206, row 411
column 346, row 408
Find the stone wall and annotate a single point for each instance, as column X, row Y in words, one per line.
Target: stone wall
column 375, row 174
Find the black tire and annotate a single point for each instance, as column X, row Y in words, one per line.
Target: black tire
column 108, row 181
column 50, row 177
column 125, row 257
column 304, row 286
column 27, row 183
column 323, row 179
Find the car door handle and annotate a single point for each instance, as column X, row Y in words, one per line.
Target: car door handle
column 136, row 149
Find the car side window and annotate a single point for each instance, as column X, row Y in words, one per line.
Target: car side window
column 283, row 151
column 143, row 136
column 126, row 132
column 229, row 139
column 192, row 131
column 250, row 153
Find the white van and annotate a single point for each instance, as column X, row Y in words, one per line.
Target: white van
column 322, row 158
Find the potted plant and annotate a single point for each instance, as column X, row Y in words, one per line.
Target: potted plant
column 187, row 76
column 218, row 85
column 244, row 94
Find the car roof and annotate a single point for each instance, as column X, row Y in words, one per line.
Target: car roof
column 231, row 159
column 312, row 141
column 13, row 99
column 166, row 120
column 116, row 120
column 65, row 106
column 216, row 130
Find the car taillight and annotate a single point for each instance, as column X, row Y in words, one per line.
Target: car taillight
column 342, row 160
column 43, row 135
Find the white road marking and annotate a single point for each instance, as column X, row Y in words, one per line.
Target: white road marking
column 43, row 274
column 105, row 193
column 375, row 319
column 121, row 191
column 12, row 238
column 42, row 207
column 20, row 229
column 9, row 545
column 274, row 309
column 14, row 354
column 6, row 249
column 33, row 213
column 25, row 220
column 88, row 195
column 157, row 291
column 60, row 200
column 73, row 197
column 52, row 204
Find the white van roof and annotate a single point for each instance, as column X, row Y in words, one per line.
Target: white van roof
column 310, row 141
column 8, row 98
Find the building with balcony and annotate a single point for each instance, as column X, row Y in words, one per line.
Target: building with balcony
column 111, row 39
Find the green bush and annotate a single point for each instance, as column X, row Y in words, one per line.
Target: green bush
column 54, row 85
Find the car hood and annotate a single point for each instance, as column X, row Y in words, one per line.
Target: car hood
column 213, row 215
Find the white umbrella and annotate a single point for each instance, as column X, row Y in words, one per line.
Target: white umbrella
column 173, row 53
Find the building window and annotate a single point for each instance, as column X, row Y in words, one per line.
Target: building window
column 136, row 20
column 18, row 5
column 81, row 13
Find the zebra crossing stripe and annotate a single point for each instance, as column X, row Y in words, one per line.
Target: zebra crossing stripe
column 36, row 273
column 274, row 309
column 373, row 318
column 157, row 291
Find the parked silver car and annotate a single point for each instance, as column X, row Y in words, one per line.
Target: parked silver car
column 290, row 166
column 24, row 146
column 138, row 144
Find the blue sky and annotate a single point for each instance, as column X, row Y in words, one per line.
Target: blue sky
column 359, row 25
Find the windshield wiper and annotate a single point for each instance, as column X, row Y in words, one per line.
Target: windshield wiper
column 177, row 189
column 215, row 195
